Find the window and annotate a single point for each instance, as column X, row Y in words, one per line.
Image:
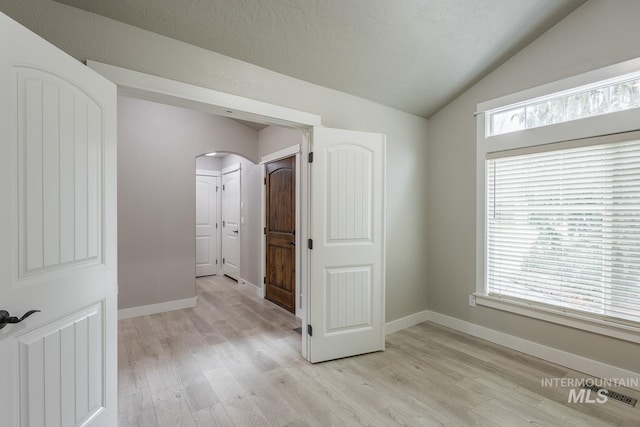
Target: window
column 559, row 202
column 563, row 228
column 618, row 94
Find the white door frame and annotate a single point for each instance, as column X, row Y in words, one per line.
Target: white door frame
column 159, row 89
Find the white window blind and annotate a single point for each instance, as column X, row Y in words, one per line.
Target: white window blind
column 563, row 229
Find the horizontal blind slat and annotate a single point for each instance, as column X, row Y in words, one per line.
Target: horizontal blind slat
column 563, row 228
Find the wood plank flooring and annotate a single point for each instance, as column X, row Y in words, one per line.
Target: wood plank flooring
column 234, row 360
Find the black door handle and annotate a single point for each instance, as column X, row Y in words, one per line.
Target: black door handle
column 235, row 231
column 6, row 318
column 292, row 243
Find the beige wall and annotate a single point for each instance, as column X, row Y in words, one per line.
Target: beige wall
column 157, row 147
column 88, row 36
column 275, row 138
column 209, row 163
column 598, row 34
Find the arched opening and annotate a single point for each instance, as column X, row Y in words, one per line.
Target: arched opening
column 163, row 149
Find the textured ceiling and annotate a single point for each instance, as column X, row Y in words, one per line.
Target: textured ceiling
column 413, row 55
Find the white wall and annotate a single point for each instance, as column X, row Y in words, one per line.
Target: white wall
column 157, row 147
column 88, row 36
column 597, row 34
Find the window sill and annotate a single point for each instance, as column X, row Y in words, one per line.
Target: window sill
column 570, row 319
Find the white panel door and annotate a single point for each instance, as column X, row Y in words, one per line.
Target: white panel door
column 231, row 222
column 206, row 225
column 57, row 236
column 346, row 301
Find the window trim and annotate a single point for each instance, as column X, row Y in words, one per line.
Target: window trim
column 562, row 317
column 612, row 127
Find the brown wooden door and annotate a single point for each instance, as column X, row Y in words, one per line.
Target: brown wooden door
column 280, row 281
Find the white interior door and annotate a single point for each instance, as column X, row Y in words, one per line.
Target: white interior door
column 57, row 236
column 207, row 225
column 347, row 259
column 231, row 221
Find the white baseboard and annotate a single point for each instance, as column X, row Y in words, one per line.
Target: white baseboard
column 241, row 281
column 145, row 310
column 563, row 358
column 406, row 322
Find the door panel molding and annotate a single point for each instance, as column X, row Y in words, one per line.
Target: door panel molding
column 350, row 195
column 349, row 292
column 61, row 370
column 60, row 146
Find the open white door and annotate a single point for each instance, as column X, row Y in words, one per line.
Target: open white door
column 57, row 236
column 231, row 221
column 347, row 259
column 207, row 225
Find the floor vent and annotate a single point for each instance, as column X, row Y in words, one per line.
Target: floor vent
column 615, row 396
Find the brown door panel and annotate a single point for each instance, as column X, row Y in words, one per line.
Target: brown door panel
column 281, row 233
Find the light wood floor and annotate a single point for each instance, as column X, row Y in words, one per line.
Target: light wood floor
column 235, row 360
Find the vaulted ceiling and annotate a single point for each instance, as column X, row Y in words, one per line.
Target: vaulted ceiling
column 412, row 55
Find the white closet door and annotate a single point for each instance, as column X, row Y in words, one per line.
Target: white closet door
column 346, row 302
column 231, row 221
column 57, row 236
column 207, row 225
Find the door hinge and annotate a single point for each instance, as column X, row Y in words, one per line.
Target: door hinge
column 216, row 225
column 223, row 224
column 311, row 157
column 265, row 231
column 264, row 280
column 216, row 262
column 223, row 260
column 265, row 181
column 217, row 188
column 310, row 330
column 222, row 187
column 310, row 243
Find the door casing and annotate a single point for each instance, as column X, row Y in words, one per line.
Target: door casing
column 153, row 88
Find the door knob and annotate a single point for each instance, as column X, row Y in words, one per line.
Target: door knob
column 292, row 243
column 6, row 318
